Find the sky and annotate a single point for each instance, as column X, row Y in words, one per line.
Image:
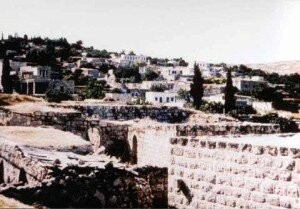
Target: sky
column 231, row 31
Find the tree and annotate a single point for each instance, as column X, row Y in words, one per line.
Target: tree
column 197, row 87
column 95, row 89
column 150, row 75
column 7, row 82
column 229, row 93
column 54, row 95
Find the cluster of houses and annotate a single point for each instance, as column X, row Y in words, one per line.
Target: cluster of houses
column 35, row 80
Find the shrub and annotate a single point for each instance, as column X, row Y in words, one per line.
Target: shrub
column 286, row 125
column 54, row 95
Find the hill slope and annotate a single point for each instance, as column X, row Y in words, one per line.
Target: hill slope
column 282, row 68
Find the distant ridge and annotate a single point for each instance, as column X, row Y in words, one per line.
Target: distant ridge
column 282, row 68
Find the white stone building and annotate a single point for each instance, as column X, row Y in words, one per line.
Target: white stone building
column 247, row 83
column 35, row 72
column 165, row 97
column 127, row 60
column 16, row 65
column 34, row 79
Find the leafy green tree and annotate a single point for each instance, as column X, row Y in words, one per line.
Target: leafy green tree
column 150, row 75
column 7, row 82
column 197, row 89
column 95, row 89
column 229, row 93
column 78, row 77
column 128, row 74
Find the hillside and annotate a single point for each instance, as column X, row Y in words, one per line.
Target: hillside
column 282, row 68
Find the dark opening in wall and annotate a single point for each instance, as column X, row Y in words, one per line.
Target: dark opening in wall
column 22, row 176
column 1, row 172
column 134, row 150
column 119, row 149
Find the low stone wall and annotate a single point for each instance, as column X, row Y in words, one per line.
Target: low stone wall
column 126, row 112
column 72, row 122
column 219, row 172
column 226, row 129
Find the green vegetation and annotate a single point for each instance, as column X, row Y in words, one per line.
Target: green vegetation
column 78, row 77
column 95, row 89
column 197, row 89
column 286, row 125
column 128, row 74
column 159, row 88
column 7, row 82
column 54, row 95
column 150, row 75
column 184, row 95
column 229, row 93
column 212, row 107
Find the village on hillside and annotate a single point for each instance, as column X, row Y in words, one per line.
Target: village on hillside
column 82, row 127
column 56, row 70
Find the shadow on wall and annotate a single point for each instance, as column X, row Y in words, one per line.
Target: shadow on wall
column 126, row 151
column 182, row 187
column 119, row 149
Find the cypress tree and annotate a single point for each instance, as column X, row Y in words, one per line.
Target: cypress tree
column 6, row 79
column 229, row 93
column 197, row 87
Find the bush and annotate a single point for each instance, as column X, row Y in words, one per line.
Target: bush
column 150, row 75
column 286, row 125
column 128, row 74
column 158, row 88
column 212, row 107
column 95, row 89
column 54, row 95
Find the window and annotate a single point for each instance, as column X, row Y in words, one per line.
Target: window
column 156, row 99
column 168, row 100
column 172, row 99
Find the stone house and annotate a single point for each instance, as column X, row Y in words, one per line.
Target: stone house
column 161, row 97
column 127, row 60
column 248, row 84
column 33, row 79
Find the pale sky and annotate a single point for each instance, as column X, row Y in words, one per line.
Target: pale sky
column 234, row 31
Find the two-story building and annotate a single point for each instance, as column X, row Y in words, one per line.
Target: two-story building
column 127, row 60
column 34, row 79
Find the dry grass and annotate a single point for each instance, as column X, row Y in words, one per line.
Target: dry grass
column 11, row 99
column 41, row 137
column 11, row 203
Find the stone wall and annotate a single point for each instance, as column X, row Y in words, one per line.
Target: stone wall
column 220, row 172
column 149, row 144
column 158, row 182
column 86, row 188
column 241, row 128
column 129, row 112
column 72, row 122
column 113, row 137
